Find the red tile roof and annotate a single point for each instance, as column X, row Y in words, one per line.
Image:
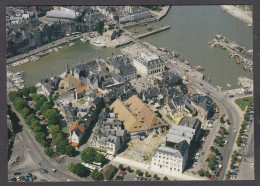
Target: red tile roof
column 75, row 125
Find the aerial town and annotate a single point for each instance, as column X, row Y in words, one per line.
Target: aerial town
column 129, row 110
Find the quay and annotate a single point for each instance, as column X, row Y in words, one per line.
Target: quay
column 152, row 32
column 43, row 48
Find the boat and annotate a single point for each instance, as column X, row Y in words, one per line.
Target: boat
column 186, row 62
column 19, row 74
column 219, row 87
column 149, row 28
column 71, row 44
column 228, row 85
column 238, row 62
column 59, row 47
column 97, row 43
column 56, row 49
column 199, row 68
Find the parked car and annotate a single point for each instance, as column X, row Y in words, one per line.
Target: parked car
column 17, row 173
column 44, row 171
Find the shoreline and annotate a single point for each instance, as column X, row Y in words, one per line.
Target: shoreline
column 237, row 13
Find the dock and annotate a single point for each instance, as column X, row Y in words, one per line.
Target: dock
column 152, row 32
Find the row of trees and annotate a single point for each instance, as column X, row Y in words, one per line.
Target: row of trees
column 243, row 127
column 90, row 155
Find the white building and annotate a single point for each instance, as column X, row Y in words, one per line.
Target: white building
column 135, row 15
column 148, row 63
column 76, row 132
column 172, row 156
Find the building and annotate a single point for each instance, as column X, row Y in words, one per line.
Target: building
column 109, row 134
column 136, row 116
column 81, row 92
column 69, row 82
column 76, row 133
column 131, row 9
column 203, row 105
column 173, row 154
column 148, row 63
column 49, row 85
column 176, row 105
column 62, row 15
column 134, row 16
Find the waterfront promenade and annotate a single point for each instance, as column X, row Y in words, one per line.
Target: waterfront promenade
column 43, row 48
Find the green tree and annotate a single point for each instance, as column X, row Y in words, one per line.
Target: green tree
column 139, row 172
column 95, row 175
column 146, row 174
column 25, row 112
column 46, row 105
column 100, row 158
column 30, row 118
column 88, row 155
column 13, row 95
column 201, row 172
column 207, row 174
column 57, row 138
column 212, row 162
column 52, row 116
column 155, row 177
column 25, row 92
column 40, row 136
column 55, row 129
column 19, row 104
column 35, row 126
column 217, row 152
column 70, row 167
column 120, row 167
column 80, row 170
column 100, row 27
column 165, row 178
column 48, row 151
column 128, row 169
column 62, row 144
column 32, row 89
column 70, row 151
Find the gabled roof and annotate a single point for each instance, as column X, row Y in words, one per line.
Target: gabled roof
column 82, row 88
column 75, row 126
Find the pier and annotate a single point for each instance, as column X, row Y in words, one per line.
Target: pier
column 152, row 32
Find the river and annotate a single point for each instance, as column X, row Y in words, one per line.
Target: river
column 192, row 27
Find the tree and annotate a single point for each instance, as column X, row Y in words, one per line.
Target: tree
column 100, row 158
column 57, row 138
column 32, row 89
column 55, row 129
column 139, row 172
column 52, row 116
column 35, row 126
column 61, row 145
column 155, row 177
column 207, row 174
column 46, row 105
column 30, row 118
column 19, row 104
column 146, row 174
column 212, row 162
column 165, row 178
column 201, row 172
column 13, row 95
column 88, row 155
column 217, row 151
column 120, row 167
column 70, row 166
column 70, row 150
column 25, row 112
column 25, row 92
column 128, row 169
column 40, row 136
column 95, row 175
column 48, row 151
column 222, row 120
column 80, row 170
column 100, row 27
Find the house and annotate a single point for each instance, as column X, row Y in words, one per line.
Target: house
column 62, row 15
column 193, row 123
column 176, row 106
column 110, row 134
column 133, row 16
column 203, row 105
column 117, row 78
column 154, row 96
column 49, row 85
column 136, row 116
column 76, row 133
column 80, row 92
column 148, row 63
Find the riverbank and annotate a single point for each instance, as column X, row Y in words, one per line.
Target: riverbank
column 238, row 13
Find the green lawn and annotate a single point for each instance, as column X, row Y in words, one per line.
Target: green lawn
column 243, row 102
